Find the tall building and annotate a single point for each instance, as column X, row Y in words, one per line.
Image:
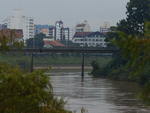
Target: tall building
column 19, row 21
column 61, row 33
column 72, row 32
column 83, row 27
column 58, row 30
column 66, row 34
column 52, row 32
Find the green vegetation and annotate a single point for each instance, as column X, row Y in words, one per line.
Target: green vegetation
column 27, row 92
column 50, row 60
column 69, row 60
column 137, row 15
column 132, row 38
column 36, row 42
column 23, row 92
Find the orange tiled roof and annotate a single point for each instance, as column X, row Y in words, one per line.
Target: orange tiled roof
column 55, row 43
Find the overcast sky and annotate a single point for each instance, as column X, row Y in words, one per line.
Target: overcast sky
column 70, row 11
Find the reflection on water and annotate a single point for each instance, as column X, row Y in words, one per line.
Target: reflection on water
column 96, row 94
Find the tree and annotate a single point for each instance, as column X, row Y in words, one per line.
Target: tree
column 137, row 15
column 136, row 50
column 147, row 29
column 124, row 26
column 27, row 92
column 4, row 43
column 36, row 42
column 95, row 67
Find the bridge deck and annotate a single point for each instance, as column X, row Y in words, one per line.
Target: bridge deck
column 67, row 50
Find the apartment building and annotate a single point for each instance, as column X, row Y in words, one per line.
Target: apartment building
column 89, row 39
column 61, row 33
column 19, row 21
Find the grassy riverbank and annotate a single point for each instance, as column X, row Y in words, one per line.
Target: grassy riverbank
column 50, row 60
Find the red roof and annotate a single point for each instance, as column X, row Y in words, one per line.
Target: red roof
column 55, row 43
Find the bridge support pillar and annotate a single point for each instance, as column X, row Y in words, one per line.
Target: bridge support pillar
column 32, row 60
column 82, row 71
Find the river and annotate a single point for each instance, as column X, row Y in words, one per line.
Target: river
column 97, row 95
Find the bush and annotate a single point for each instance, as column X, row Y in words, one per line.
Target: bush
column 27, row 92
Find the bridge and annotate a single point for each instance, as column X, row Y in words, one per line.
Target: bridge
column 65, row 50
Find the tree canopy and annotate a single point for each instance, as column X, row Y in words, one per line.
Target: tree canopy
column 36, row 42
column 27, row 92
column 137, row 15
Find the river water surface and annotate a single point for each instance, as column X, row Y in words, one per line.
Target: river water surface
column 97, row 95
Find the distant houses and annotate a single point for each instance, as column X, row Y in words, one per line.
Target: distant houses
column 85, row 37
column 60, row 36
column 56, row 35
column 18, row 21
column 12, row 34
column 10, row 37
column 57, row 32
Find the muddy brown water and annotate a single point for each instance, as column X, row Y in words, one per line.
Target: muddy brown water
column 97, row 95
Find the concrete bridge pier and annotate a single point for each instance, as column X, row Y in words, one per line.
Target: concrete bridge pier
column 82, row 68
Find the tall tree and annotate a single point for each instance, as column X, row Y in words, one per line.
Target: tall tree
column 124, row 26
column 138, row 12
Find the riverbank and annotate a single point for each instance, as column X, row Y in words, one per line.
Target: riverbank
column 49, row 60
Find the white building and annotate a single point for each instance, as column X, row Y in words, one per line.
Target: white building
column 58, row 30
column 72, row 32
column 52, row 32
column 66, row 34
column 19, row 21
column 61, row 33
column 90, row 39
column 83, row 27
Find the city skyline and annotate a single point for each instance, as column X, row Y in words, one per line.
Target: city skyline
column 71, row 12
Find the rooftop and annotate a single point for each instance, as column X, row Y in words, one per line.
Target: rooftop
column 88, row 34
column 81, row 25
column 55, row 43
